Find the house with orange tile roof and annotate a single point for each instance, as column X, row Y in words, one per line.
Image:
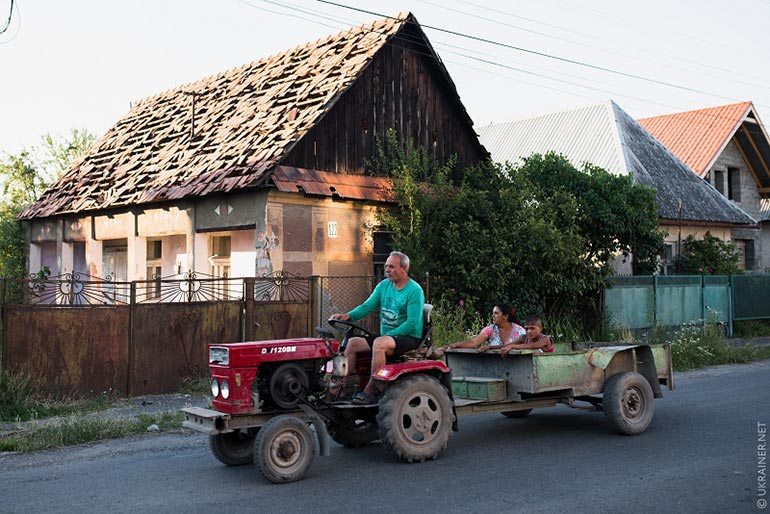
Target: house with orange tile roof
column 728, row 147
column 605, row 135
column 257, row 169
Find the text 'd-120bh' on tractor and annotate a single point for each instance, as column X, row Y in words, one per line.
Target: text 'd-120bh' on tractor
column 266, row 395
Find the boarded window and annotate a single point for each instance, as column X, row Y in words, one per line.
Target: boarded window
column 719, row 181
column 734, row 184
column 746, row 250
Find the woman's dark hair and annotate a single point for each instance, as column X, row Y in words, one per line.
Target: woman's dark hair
column 508, row 311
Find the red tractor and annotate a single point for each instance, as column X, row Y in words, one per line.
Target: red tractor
column 267, row 394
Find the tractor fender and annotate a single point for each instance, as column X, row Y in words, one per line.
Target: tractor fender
column 392, row 372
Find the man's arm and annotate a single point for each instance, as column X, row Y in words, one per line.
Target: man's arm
column 370, row 305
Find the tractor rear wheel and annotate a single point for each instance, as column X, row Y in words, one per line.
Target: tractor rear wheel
column 415, row 418
column 233, row 448
column 628, row 402
column 285, row 449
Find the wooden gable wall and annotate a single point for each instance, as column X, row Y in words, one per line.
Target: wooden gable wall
column 402, row 88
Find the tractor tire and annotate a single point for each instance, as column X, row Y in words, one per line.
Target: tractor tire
column 284, row 449
column 415, row 418
column 233, row 448
column 516, row 413
column 362, row 434
column 628, row 402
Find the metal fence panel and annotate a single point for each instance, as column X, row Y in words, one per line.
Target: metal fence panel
column 69, row 350
column 632, row 304
column 751, row 295
column 678, row 300
column 716, row 298
column 342, row 294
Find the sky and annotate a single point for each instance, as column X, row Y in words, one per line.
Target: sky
column 80, row 63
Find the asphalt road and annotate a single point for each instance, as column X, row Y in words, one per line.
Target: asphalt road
column 699, row 455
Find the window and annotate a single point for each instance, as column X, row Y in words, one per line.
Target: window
column 734, row 184
column 154, row 267
column 719, row 181
column 669, row 253
column 746, row 249
column 332, row 229
column 383, row 245
column 219, row 256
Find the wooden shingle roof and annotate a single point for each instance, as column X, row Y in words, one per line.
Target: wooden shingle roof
column 219, row 134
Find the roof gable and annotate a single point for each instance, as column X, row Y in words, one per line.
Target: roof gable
column 606, row 136
column 218, row 134
column 698, row 137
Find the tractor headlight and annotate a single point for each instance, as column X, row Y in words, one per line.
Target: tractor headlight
column 214, row 387
column 225, row 389
column 219, row 356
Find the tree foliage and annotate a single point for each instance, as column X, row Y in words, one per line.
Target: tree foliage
column 709, row 256
column 23, row 178
column 540, row 236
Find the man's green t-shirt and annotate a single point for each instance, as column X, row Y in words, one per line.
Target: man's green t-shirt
column 400, row 309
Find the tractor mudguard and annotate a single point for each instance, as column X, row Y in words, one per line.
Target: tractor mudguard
column 391, row 372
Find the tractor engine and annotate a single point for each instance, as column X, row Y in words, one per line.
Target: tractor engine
column 267, row 376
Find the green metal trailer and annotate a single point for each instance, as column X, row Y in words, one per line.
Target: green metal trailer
column 620, row 380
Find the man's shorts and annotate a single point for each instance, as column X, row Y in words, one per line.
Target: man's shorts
column 403, row 343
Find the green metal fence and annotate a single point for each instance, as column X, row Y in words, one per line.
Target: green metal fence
column 646, row 301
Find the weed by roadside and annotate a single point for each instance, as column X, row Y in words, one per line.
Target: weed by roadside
column 696, row 346
column 19, row 400
column 453, row 322
column 196, row 385
column 75, row 430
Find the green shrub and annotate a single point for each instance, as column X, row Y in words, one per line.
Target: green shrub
column 454, row 321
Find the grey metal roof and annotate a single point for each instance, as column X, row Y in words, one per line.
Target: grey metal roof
column 606, row 136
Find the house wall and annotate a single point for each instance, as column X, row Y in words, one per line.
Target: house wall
column 400, row 89
column 749, row 195
column 731, row 157
column 280, row 232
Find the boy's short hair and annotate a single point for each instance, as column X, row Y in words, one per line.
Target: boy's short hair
column 533, row 319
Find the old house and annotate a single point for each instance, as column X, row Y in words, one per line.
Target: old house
column 728, row 147
column 606, row 136
column 257, row 169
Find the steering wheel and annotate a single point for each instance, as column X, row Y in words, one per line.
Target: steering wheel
column 345, row 328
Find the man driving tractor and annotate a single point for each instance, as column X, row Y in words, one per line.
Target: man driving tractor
column 400, row 301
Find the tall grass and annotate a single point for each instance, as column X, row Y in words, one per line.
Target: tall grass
column 74, row 430
column 21, row 401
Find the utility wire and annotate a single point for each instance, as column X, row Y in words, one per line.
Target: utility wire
column 732, row 73
column 542, row 54
column 8, row 22
column 488, row 61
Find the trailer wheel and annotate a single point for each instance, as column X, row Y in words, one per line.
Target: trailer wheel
column 415, row 418
column 516, row 413
column 284, row 449
column 361, row 433
column 233, row 448
column 628, row 402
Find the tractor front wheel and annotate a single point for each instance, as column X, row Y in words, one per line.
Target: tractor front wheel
column 415, row 418
column 285, row 449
